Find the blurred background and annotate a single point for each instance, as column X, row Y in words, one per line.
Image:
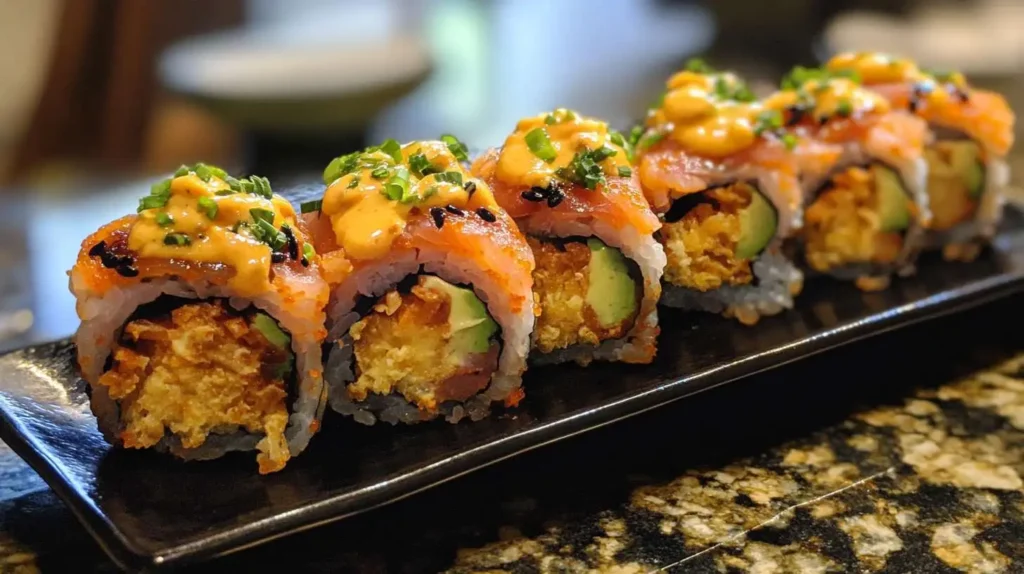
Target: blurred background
column 100, row 97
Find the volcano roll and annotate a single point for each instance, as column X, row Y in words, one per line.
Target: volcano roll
column 431, row 307
column 719, row 171
column 972, row 133
column 863, row 173
column 567, row 181
column 202, row 320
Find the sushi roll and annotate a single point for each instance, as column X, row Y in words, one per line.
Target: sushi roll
column 863, row 174
column 567, row 181
column 972, row 133
column 431, row 305
column 202, row 320
column 722, row 177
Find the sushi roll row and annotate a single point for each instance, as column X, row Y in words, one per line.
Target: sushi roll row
column 423, row 283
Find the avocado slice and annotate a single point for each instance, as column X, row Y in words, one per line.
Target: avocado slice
column 269, row 328
column 893, row 208
column 758, row 224
column 470, row 324
column 975, row 180
column 611, row 292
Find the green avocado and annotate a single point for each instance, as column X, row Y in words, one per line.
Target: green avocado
column 611, row 292
column 269, row 328
column 965, row 157
column 893, row 208
column 471, row 325
column 758, row 224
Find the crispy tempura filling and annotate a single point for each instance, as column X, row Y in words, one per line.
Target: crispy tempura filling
column 402, row 346
column 561, row 281
column 198, row 371
column 701, row 246
column 843, row 225
column 948, row 195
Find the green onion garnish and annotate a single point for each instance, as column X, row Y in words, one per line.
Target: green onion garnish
column 208, row 206
column 264, row 230
column 178, row 239
column 393, row 149
column 550, row 120
column 232, row 183
column 397, row 186
column 458, row 149
column 262, row 186
column 616, row 138
column 203, row 171
column 420, row 165
column 789, row 140
column 540, row 145
column 159, row 195
column 767, row 120
column 380, row 172
column 452, row 177
column 258, row 214
column 585, row 168
column 311, row 206
column 353, row 183
column 699, row 66
column 625, row 171
column 602, row 153
column 844, row 108
column 307, row 251
column 340, row 167
column 650, row 140
column 183, row 170
column 163, row 219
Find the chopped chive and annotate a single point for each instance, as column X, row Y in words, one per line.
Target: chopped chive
column 393, row 149
column 699, row 66
column 650, row 140
column 353, row 183
column 232, row 183
column 203, row 171
column 178, row 239
column 458, row 149
column 540, row 145
column 452, row 177
column 431, row 192
column 159, row 195
column 307, row 251
column 397, row 186
column 163, row 219
column 844, row 108
column 380, row 172
column 259, row 214
column 183, row 170
column 767, row 120
column 550, row 120
column 790, row 141
column 311, row 206
column 602, row 153
column 616, row 138
column 208, row 206
column 625, row 171
column 262, row 186
column 340, row 167
column 420, row 165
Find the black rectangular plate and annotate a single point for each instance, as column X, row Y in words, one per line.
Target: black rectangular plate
column 149, row 510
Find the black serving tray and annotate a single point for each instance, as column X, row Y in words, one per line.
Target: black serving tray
column 149, row 510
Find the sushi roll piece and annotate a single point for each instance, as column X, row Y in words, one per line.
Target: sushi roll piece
column 431, row 305
column 972, row 133
column 567, row 181
column 863, row 174
column 721, row 175
column 202, row 321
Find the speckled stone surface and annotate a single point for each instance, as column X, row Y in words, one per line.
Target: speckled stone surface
column 929, row 485
column 901, row 454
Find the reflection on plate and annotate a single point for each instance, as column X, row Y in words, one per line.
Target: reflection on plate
column 146, row 509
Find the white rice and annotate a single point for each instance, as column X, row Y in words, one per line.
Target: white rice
column 378, row 278
column 104, row 316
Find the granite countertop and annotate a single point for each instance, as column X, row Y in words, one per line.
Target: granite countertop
column 784, row 472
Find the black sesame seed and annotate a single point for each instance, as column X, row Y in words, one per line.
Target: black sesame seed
column 486, row 215
column 963, row 96
column 470, row 187
column 293, row 245
column 535, row 194
column 438, row 215
column 913, row 104
column 305, row 262
column 127, row 271
column 278, row 257
column 453, row 210
column 98, row 250
column 555, row 198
